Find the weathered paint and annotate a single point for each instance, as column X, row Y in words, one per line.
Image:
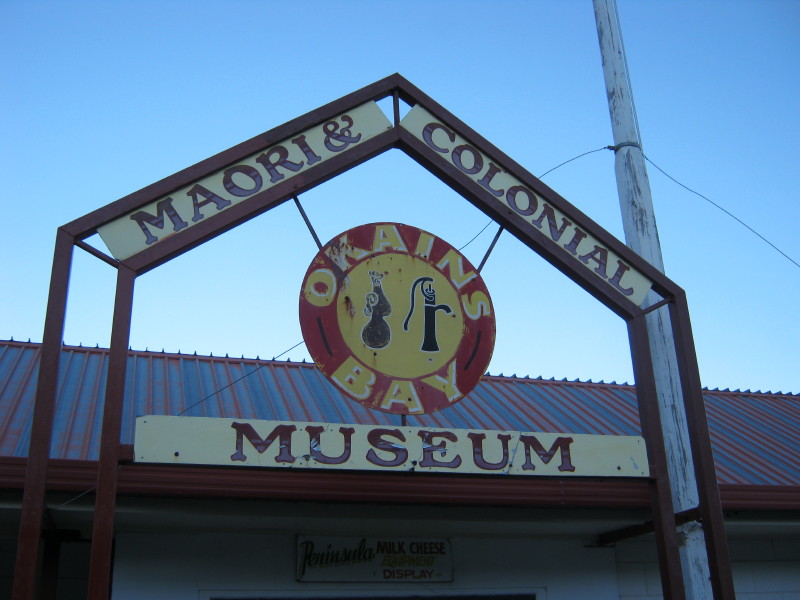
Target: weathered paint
column 703, row 576
column 397, row 318
column 488, row 174
column 222, row 189
column 291, row 444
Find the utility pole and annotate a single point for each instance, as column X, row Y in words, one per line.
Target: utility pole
column 641, row 235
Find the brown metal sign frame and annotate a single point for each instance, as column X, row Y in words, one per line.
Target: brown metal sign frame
column 395, row 87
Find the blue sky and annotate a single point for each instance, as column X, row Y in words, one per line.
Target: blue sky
column 100, row 99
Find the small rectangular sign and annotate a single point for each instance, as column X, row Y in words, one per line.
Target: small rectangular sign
column 401, row 560
column 491, row 177
column 207, row 197
column 290, row 444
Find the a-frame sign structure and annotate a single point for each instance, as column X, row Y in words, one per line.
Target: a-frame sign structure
column 170, row 217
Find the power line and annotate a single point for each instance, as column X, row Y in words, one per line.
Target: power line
column 475, row 237
column 211, row 395
column 574, row 158
column 687, row 188
column 727, row 212
column 540, row 177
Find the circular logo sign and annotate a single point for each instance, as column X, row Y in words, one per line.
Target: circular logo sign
column 397, row 318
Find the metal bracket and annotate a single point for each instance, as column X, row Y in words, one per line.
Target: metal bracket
column 308, row 223
column 656, row 306
column 491, row 247
column 611, row 537
column 623, row 145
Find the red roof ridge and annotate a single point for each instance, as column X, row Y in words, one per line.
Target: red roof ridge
column 299, row 364
column 553, row 381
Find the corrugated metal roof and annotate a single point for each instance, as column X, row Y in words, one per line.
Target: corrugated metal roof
column 754, row 434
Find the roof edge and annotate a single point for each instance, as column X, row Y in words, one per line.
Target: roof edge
column 351, row 486
column 538, row 379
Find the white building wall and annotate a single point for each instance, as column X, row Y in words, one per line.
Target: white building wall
column 198, row 566
column 206, row 565
column 763, row 569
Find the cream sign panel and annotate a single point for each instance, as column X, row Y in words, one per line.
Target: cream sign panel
column 206, row 197
column 399, row 560
column 487, row 173
column 290, row 444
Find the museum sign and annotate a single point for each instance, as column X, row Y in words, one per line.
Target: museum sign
column 387, row 448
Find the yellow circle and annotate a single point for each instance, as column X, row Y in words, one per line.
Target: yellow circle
column 399, row 315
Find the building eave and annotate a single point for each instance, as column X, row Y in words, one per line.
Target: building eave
column 397, row 488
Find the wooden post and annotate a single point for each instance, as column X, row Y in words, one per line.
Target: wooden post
column 641, row 235
column 33, row 499
column 106, row 495
column 667, row 547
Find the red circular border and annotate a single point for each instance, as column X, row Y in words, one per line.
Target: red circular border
column 329, row 350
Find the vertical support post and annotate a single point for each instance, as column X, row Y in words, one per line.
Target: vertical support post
column 669, row 560
column 107, row 473
column 705, row 471
column 396, row 108
column 641, row 234
column 33, row 499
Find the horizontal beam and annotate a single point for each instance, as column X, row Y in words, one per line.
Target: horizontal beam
column 79, row 476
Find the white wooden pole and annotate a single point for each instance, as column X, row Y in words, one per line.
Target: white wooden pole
column 641, row 235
